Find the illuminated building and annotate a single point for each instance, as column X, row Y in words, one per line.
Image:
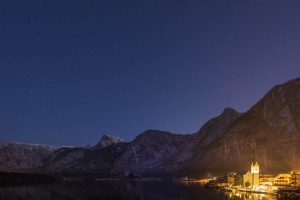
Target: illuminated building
column 295, row 179
column 266, row 179
column 282, row 180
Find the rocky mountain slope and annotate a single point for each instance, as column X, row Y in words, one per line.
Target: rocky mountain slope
column 96, row 161
column 272, row 126
column 154, row 153
column 225, row 143
column 23, row 157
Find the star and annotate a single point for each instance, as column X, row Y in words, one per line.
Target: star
column 45, row 114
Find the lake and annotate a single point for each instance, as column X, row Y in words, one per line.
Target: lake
column 142, row 190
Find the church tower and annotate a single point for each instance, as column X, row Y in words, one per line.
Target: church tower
column 255, row 170
column 254, row 164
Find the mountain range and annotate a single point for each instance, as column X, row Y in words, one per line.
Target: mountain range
column 223, row 144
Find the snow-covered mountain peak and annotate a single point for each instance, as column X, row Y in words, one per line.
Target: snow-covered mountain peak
column 107, row 140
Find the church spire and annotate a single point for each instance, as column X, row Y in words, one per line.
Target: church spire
column 255, row 169
column 254, row 155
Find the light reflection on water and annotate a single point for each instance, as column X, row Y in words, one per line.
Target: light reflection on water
column 145, row 190
column 248, row 196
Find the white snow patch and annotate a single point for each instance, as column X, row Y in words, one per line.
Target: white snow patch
column 108, row 140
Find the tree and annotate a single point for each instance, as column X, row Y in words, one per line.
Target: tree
column 238, row 180
column 247, row 184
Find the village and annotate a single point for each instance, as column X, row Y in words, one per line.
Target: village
column 284, row 185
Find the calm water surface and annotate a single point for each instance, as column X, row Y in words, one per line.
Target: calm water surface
column 144, row 190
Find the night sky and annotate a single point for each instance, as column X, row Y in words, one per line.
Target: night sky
column 73, row 70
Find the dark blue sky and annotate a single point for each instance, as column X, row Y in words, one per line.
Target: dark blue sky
column 73, row 70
